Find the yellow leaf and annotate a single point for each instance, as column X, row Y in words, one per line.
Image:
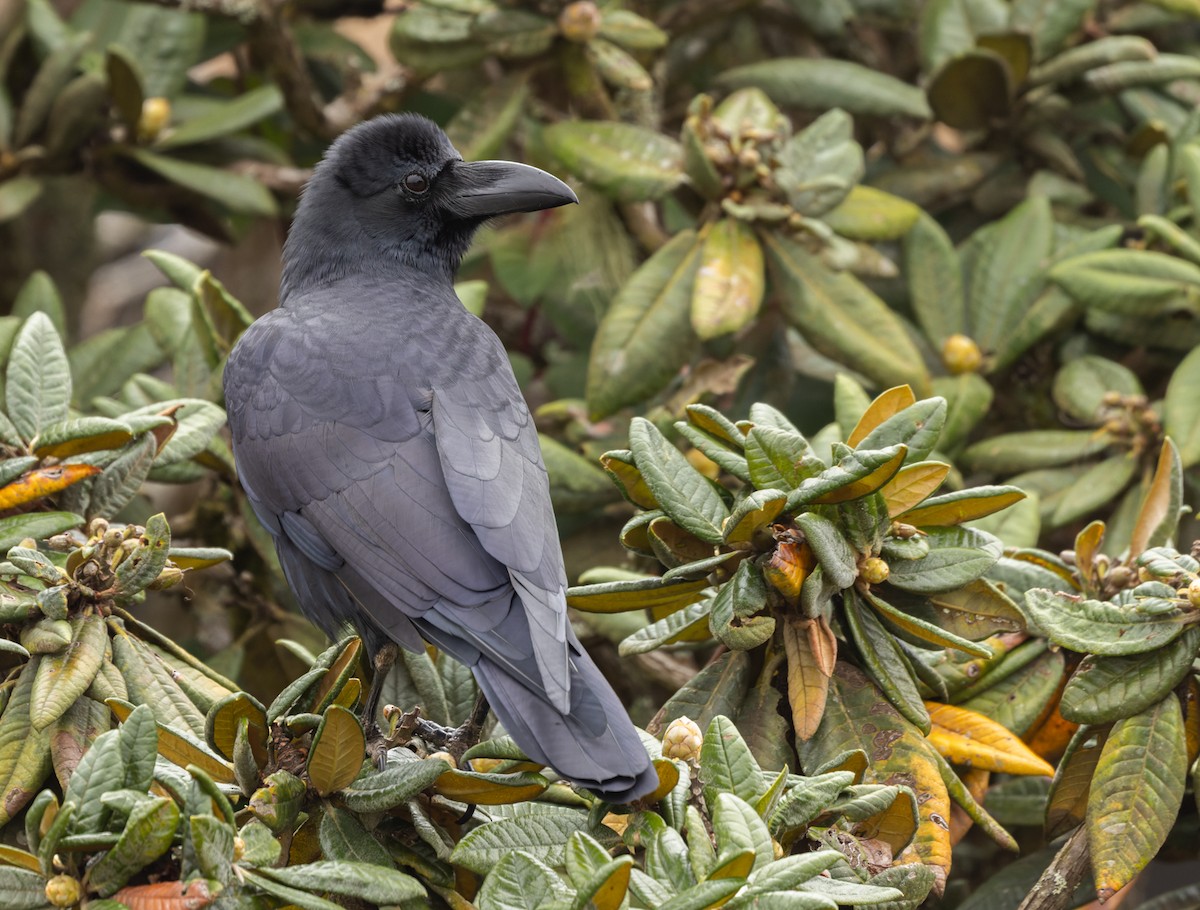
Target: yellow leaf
column 193, row 895
column 966, row 737
column 668, row 779
column 350, row 693
column 728, row 290
column 490, row 789
column 960, row 510
column 13, row 856
column 887, row 404
column 1087, row 546
column 630, row 479
column 611, row 894
column 619, row 597
column 737, row 866
column 222, row 724
column 42, row 482
column 808, row 681
column 912, row 485
column 338, row 747
column 336, row 676
column 865, row 485
column 175, row 748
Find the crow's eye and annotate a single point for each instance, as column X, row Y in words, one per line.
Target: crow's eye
column 416, row 183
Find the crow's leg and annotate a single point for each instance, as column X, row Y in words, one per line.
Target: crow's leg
column 385, row 657
column 377, row 744
column 468, row 734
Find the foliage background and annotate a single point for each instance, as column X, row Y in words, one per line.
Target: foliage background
column 991, row 201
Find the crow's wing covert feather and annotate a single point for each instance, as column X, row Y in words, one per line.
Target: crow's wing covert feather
column 429, row 488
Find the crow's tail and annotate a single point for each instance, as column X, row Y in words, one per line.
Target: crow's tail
column 594, row 745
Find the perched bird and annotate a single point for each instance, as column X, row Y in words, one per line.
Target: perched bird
column 382, row 439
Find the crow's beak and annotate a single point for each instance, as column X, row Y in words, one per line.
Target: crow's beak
column 485, row 189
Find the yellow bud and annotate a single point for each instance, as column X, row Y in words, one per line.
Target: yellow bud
column 1121, row 576
column 63, row 891
column 239, row 848
column 580, row 21
column 874, row 570
column 961, row 354
column 447, row 758
column 682, row 740
column 156, row 113
column 1193, row 593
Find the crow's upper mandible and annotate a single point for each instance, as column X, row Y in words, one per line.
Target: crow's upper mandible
column 383, row 441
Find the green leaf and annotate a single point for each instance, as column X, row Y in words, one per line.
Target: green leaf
column 688, row 624
column 885, row 662
column 101, row 770
column 366, row 881
column 821, row 84
column 870, row 214
column 1080, row 386
column 16, row 195
column 956, row 557
column 630, row 163
column 842, row 318
column 543, row 837
column 918, row 427
column 1006, row 273
column 1099, row 627
column 1181, row 409
column 225, row 117
column 686, row 496
column 1049, row 22
column 24, row 752
column 1033, row 449
column 1131, row 282
column 38, row 525
column 1136, row 791
column 1104, row 689
column 718, row 689
column 727, row 764
column 343, row 837
column 39, row 295
column 62, row 678
column 645, row 336
column 737, row 826
column 21, row 889
column 236, row 192
column 147, row 835
column 971, row 90
column 821, row 164
column 828, row 544
column 38, row 382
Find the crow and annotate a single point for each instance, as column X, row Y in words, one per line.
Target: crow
column 383, row 441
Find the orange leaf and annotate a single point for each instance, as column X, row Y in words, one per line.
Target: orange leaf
column 167, row 896
column 966, row 737
column 787, row 568
column 41, row 482
column 888, row 404
column 808, row 678
column 912, row 484
column 1158, row 501
column 1050, row 739
column 976, row 781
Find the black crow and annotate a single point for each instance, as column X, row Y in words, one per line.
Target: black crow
column 382, row 439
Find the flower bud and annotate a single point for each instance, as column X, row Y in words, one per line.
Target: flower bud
column 874, row 570
column 1193, row 593
column 580, row 21
column 682, row 740
column 156, row 113
column 447, row 758
column 63, row 891
column 961, row 354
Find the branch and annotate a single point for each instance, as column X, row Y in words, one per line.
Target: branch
column 1057, row 885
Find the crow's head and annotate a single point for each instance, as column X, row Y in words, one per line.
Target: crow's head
column 394, row 190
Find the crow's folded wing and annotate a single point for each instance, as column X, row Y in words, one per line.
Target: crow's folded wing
column 432, row 502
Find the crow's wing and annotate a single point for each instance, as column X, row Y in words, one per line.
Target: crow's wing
column 410, row 473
